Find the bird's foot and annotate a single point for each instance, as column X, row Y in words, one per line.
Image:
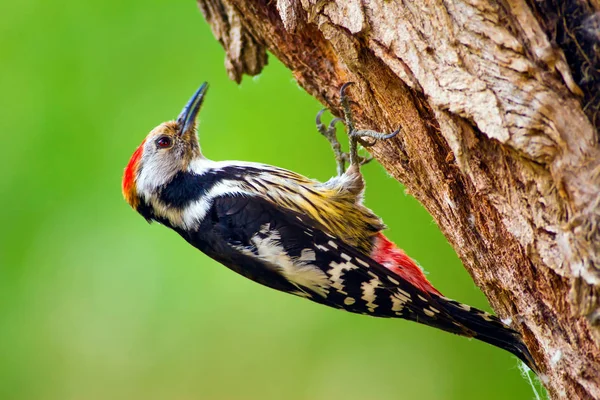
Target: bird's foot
column 355, row 136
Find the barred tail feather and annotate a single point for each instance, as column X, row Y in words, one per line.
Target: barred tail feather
column 455, row 317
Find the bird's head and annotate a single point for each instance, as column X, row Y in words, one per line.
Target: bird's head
column 168, row 149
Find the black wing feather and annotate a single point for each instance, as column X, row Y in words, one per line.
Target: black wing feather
column 234, row 220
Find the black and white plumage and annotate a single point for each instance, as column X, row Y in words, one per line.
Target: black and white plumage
column 288, row 232
column 291, row 252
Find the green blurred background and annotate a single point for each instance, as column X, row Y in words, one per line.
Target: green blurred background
column 97, row 304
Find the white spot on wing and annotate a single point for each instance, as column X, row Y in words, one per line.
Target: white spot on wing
column 332, row 244
column 349, row 301
column 373, row 274
column 394, row 281
column 398, row 302
column 336, row 271
column 299, row 272
column 364, row 263
column 308, row 255
column 368, row 289
column 345, row 256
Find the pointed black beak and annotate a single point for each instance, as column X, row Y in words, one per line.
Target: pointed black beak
column 187, row 118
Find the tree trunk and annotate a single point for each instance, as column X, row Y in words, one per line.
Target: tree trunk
column 499, row 104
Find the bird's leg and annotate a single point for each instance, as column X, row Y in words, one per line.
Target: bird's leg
column 358, row 136
column 341, row 157
column 330, row 134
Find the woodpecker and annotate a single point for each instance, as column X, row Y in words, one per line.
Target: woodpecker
column 312, row 239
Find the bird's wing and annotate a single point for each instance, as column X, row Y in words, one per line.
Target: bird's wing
column 288, row 251
column 276, row 244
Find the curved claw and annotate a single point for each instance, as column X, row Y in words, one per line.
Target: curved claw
column 366, row 160
column 319, row 115
column 333, row 122
column 344, row 87
column 390, row 135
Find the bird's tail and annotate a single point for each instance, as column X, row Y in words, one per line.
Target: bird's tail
column 471, row 322
column 454, row 317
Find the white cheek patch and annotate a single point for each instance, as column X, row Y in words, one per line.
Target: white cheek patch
column 157, row 169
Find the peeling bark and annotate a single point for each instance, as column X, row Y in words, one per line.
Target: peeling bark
column 498, row 102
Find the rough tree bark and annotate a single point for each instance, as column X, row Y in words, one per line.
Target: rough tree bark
column 499, row 105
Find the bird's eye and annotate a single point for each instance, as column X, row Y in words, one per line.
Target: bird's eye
column 164, row 142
